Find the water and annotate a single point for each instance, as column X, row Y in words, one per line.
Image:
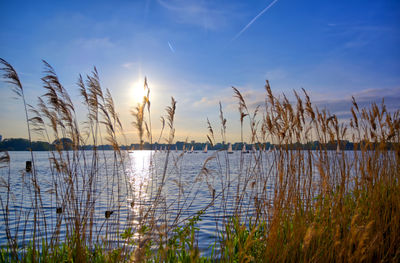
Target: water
column 129, row 188
column 142, row 185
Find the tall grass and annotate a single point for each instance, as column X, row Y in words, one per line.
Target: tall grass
column 326, row 205
column 285, row 204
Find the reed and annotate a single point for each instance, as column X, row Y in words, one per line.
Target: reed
column 289, row 204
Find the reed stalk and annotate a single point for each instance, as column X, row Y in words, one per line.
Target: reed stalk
column 308, row 198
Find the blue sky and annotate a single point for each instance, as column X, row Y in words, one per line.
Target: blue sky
column 196, row 50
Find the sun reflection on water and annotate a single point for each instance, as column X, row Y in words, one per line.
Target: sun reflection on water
column 139, row 171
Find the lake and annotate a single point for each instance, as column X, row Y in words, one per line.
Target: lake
column 130, row 188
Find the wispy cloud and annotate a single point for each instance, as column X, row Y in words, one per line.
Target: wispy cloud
column 213, row 101
column 377, row 93
column 128, row 64
column 227, row 98
column 254, row 19
column 341, row 106
column 205, row 14
column 171, row 48
column 359, row 34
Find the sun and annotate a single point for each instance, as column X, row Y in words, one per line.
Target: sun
column 137, row 91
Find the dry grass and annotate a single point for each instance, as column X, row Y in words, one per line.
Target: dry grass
column 306, row 206
column 326, row 206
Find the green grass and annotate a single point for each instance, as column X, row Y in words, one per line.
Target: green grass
column 349, row 213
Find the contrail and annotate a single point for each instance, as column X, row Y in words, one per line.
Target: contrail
column 254, row 19
column 170, row 47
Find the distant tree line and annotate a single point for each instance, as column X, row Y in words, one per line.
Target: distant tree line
column 19, row 144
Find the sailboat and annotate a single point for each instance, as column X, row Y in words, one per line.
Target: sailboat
column 253, row 148
column 176, row 148
column 244, row 149
column 205, row 148
column 271, row 148
column 191, row 149
column 338, row 149
column 230, row 148
column 132, row 149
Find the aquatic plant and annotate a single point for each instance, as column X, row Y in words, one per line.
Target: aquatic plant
column 289, row 203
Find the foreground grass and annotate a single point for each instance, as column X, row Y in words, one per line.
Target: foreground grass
column 322, row 206
column 363, row 226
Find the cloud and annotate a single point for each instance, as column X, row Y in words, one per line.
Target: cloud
column 204, row 14
column 358, row 35
column 250, row 96
column 128, row 64
column 341, row 106
column 213, row 101
column 205, row 102
column 364, row 99
column 170, row 47
column 254, row 19
column 377, row 93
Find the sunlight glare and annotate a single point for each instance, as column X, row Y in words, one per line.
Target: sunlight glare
column 137, row 91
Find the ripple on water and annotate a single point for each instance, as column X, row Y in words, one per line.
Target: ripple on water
column 129, row 195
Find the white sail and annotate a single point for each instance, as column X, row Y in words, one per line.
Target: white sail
column 176, row 148
column 244, row 148
column 205, row 148
column 191, row 149
column 230, row 148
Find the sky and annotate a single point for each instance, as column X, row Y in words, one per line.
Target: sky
column 196, row 51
